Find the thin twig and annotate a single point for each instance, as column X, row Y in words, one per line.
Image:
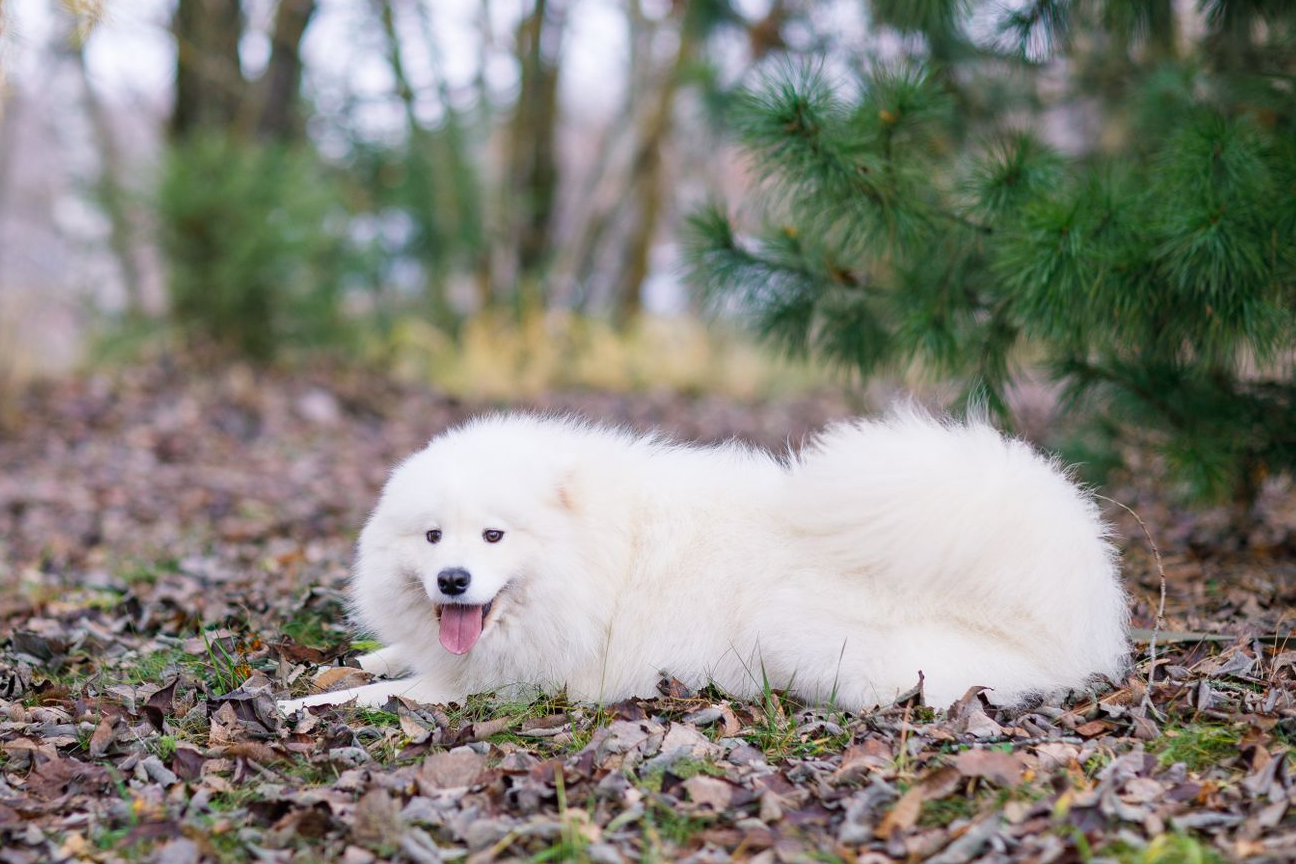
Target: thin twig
column 1160, row 615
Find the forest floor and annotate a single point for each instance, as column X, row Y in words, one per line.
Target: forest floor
column 173, row 548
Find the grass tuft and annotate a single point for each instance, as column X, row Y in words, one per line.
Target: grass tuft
column 1167, row 849
column 1198, row 745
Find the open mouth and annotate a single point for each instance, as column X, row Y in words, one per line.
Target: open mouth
column 462, row 625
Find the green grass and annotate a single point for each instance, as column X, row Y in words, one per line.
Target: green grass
column 582, row 721
column 113, row 840
column 1166, row 849
column 1095, row 763
column 224, row 671
column 776, row 733
column 220, row 670
column 235, row 799
column 683, row 768
column 571, row 844
column 228, row 847
column 1197, row 745
column 166, row 747
column 377, row 717
column 673, row 825
column 152, row 667
column 321, row 624
column 308, row 774
column 307, row 628
column 943, row 812
column 778, row 736
column 147, row 572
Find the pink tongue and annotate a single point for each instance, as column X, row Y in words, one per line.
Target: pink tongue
column 460, row 627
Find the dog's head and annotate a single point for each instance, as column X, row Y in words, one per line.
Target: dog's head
column 468, row 534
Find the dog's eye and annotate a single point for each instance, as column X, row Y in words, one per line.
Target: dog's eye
column 492, row 535
column 433, row 536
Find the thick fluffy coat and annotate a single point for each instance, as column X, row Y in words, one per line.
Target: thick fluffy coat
column 591, row 558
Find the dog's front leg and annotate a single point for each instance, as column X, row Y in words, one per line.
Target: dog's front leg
column 376, row 695
column 385, row 661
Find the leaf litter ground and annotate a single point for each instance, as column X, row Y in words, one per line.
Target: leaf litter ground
column 174, row 552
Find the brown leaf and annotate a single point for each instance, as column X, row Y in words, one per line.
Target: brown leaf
column 103, row 736
column 486, row 728
column 414, row 730
column 978, row 724
column 310, row 822
column 1093, row 728
column 341, row 678
column 296, row 653
column 224, row 725
column 56, row 777
column 673, row 688
column 452, row 770
column 40, row 647
column 940, row 783
column 682, row 737
column 160, row 705
column 857, row 760
column 187, row 762
column 180, row 850
column 550, row 721
column 1000, row 768
column 377, row 818
column 730, row 720
column 710, row 792
column 1141, row 790
column 969, row 700
column 1056, row 754
column 253, row 750
column 1145, row 728
column 903, row 816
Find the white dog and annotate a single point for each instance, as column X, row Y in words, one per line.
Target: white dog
column 520, row 551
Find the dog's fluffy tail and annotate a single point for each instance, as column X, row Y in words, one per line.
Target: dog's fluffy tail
column 957, row 525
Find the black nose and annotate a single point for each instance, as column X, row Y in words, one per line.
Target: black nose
column 453, row 581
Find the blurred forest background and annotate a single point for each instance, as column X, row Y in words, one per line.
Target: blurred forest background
column 1095, row 199
column 484, row 192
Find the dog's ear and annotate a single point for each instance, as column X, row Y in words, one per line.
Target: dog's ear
column 568, row 495
column 566, row 498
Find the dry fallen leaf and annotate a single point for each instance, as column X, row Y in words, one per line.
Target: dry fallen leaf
column 1000, row 768
column 709, row 792
column 377, row 818
column 1093, row 728
column 457, row 768
column 103, row 736
column 341, row 678
column 903, row 816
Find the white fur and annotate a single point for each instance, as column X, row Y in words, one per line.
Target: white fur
column 887, row 548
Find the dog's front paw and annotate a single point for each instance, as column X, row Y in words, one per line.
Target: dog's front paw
column 288, row 707
column 291, row 706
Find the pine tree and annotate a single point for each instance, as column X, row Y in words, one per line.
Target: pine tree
column 912, row 217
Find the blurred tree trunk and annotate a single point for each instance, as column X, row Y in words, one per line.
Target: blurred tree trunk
column 9, row 104
column 419, row 162
column 211, row 92
column 209, row 85
column 647, row 171
column 492, row 215
column 603, row 199
column 280, row 85
column 532, row 158
column 111, row 191
column 464, row 188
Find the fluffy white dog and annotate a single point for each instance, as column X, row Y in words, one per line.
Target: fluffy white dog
column 521, row 551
